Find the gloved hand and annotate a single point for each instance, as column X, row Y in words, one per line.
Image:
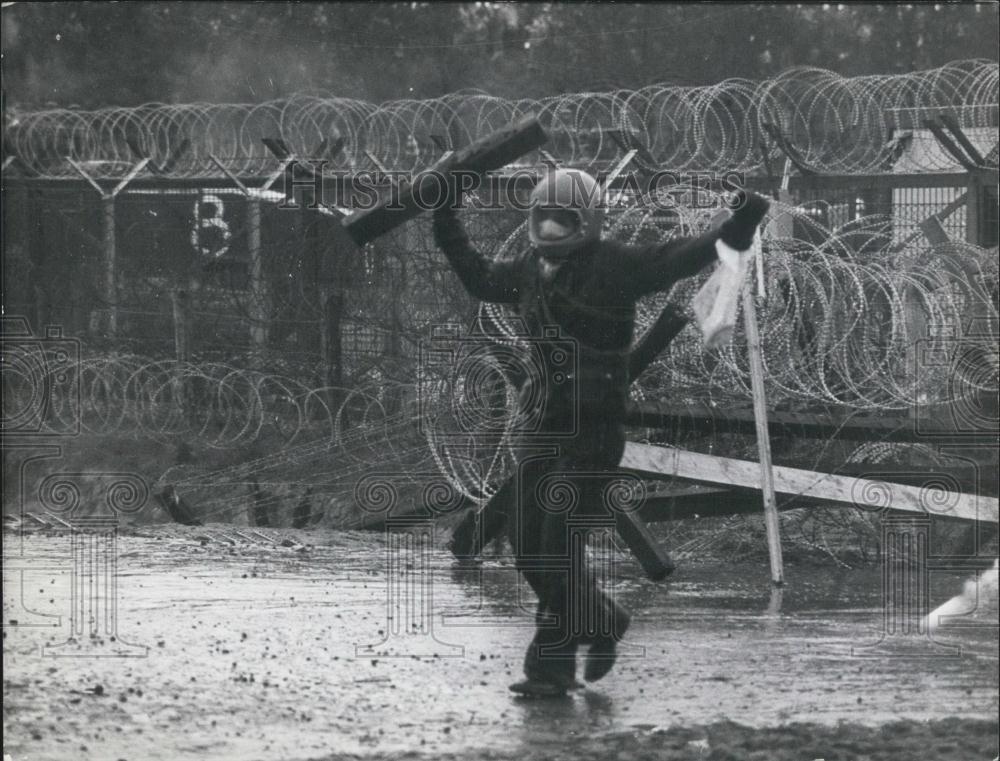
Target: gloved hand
column 748, row 211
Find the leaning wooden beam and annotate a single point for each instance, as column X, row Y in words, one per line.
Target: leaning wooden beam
column 948, row 144
column 403, row 203
column 786, row 147
column 922, row 229
column 934, row 231
column 949, row 121
column 695, row 466
column 655, row 561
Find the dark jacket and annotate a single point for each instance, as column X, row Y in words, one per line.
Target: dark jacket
column 589, row 303
column 592, row 297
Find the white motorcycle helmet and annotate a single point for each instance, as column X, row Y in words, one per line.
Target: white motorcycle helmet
column 566, row 212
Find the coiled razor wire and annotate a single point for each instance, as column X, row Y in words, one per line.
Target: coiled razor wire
column 850, row 320
column 854, row 321
column 835, row 124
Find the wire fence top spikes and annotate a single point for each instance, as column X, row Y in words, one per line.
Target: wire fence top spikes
column 833, row 124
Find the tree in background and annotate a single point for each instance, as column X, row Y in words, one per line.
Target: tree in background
column 97, row 54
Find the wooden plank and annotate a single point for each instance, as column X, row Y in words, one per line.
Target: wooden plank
column 695, row 466
column 949, row 121
column 655, row 561
column 933, row 231
column 948, row 144
column 491, row 152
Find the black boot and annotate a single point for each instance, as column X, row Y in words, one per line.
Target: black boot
column 548, row 675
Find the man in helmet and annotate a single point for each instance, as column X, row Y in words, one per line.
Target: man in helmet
column 478, row 528
column 585, row 288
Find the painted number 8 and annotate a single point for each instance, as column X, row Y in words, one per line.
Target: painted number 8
column 210, row 235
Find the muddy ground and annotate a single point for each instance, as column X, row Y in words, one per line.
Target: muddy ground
column 231, row 644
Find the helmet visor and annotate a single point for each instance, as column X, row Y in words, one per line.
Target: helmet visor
column 555, row 224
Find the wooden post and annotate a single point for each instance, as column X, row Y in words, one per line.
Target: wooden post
column 763, row 436
column 330, row 272
column 110, row 263
column 331, row 300
column 973, row 210
column 394, row 346
column 108, row 220
column 258, row 289
column 180, row 301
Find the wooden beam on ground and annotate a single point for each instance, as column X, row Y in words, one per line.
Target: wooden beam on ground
column 486, row 154
column 694, row 466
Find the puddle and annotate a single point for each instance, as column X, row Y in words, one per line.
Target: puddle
column 263, row 651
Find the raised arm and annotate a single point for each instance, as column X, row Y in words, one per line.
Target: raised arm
column 647, row 269
column 483, row 278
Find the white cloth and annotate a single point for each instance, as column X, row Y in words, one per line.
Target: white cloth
column 715, row 304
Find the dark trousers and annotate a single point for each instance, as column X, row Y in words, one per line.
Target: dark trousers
column 552, row 503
